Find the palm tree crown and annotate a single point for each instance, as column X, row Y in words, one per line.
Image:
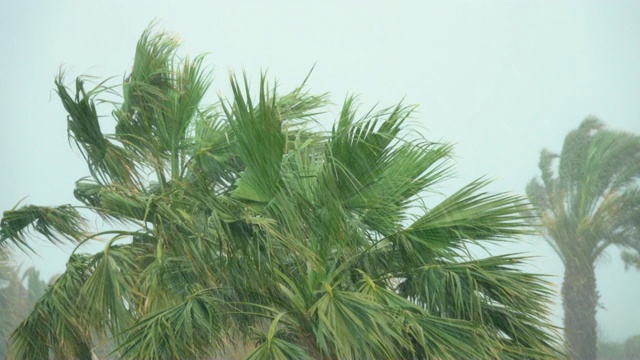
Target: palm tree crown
column 245, row 225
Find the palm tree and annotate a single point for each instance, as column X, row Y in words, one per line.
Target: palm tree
column 241, row 223
column 592, row 202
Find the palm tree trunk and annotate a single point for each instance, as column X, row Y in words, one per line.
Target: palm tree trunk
column 580, row 298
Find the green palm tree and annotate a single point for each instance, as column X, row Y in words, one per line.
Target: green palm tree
column 240, row 225
column 590, row 203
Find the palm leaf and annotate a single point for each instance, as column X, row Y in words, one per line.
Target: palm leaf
column 261, row 142
column 56, row 224
column 191, row 329
column 56, row 325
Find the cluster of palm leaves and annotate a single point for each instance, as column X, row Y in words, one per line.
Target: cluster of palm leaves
column 241, row 224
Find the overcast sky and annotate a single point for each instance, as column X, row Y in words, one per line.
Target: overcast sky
column 500, row 79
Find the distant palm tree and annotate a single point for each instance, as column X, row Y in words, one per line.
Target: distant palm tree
column 592, row 202
column 241, row 222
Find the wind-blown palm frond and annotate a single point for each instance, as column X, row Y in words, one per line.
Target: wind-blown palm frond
column 110, row 289
column 191, row 329
column 106, row 160
column 273, row 345
column 261, row 143
column 56, row 224
column 56, row 325
column 245, row 224
column 370, row 167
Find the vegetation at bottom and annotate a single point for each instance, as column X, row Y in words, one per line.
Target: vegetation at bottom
column 627, row 350
column 19, row 292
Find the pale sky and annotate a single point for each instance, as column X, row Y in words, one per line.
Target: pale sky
column 500, row 79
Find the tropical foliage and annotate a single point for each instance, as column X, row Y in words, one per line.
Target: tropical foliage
column 628, row 350
column 590, row 203
column 241, row 223
column 18, row 294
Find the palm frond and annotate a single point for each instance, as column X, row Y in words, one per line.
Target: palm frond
column 56, row 325
column 56, row 224
column 274, row 345
column 261, row 142
column 471, row 215
column 341, row 313
column 111, row 286
column 106, row 160
column 191, row 329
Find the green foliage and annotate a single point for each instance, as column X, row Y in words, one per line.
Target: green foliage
column 628, row 350
column 252, row 227
column 17, row 296
column 56, row 224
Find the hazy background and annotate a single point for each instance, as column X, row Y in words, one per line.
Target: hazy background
column 501, row 79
